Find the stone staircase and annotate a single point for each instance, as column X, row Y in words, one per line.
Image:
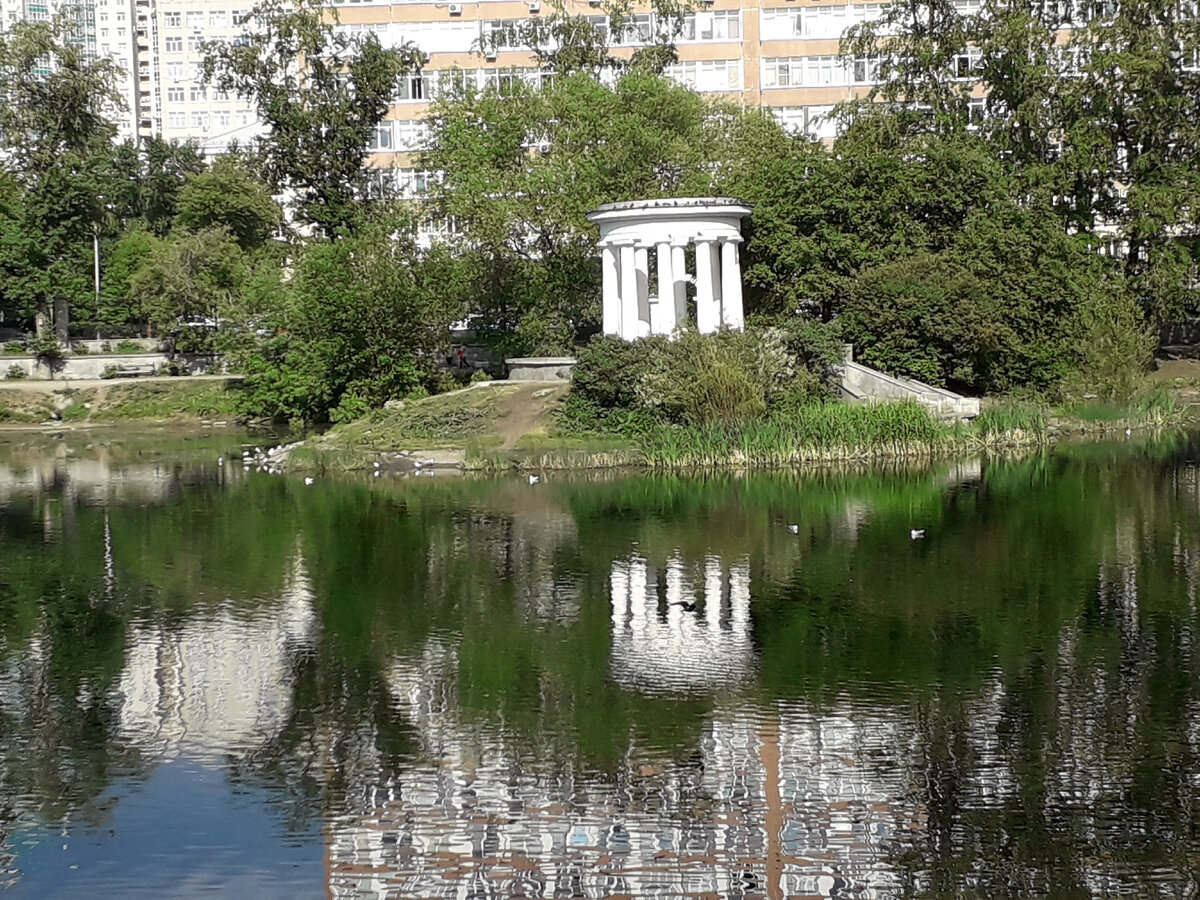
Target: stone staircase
column 862, row 384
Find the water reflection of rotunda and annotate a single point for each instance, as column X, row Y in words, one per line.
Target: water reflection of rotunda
column 684, row 626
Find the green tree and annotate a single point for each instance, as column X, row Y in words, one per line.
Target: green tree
column 186, row 283
column 521, row 168
column 145, row 181
column 122, row 259
column 55, row 136
column 227, row 197
column 882, row 195
column 320, row 93
column 1104, row 124
column 355, row 327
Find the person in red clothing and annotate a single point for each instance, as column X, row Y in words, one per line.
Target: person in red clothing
column 462, row 357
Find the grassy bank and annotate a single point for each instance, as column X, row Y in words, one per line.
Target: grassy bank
column 508, row 426
column 166, row 400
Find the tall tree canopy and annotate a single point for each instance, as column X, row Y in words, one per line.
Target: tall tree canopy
column 320, row 92
column 55, row 141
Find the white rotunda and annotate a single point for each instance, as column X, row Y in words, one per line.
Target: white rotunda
column 632, row 230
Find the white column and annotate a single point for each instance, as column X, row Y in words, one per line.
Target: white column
column 629, row 294
column 642, row 262
column 708, row 311
column 611, row 305
column 662, row 313
column 731, row 286
column 679, row 275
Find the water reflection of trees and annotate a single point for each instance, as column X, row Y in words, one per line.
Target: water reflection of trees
column 512, row 677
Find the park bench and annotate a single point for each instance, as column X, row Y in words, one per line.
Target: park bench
column 130, row 369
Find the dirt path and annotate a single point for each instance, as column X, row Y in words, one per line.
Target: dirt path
column 527, row 409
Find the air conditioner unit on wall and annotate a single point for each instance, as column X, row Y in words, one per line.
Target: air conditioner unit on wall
column 455, row 9
column 535, row 7
column 489, row 55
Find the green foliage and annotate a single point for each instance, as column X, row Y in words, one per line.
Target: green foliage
column 524, row 242
column 697, row 379
column 16, row 373
column 351, row 330
column 188, row 280
column 227, row 197
column 319, row 116
column 1008, row 416
column 46, row 347
column 1012, row 302
column 1103, row 126
column 54, row 136
column 816, row 432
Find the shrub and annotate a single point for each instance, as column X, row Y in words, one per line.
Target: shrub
column 16, row 348
column 723, row 393
column 697, row 379
column 129, row 347
column 16, row 373
column 479, row 376
column 80, row 349
column 46, row 347
column 608, row 370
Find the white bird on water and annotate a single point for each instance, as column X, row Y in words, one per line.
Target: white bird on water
column 794, row 529
column 308, row 479
column 916, row 534
column 534, row 479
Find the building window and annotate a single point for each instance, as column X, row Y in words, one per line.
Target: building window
column 866, row 70
column 173, row 45
column 197, row 95
column 174, row 95
column 216, row 18
column 200, row 120
column 782, row 72
column 411, row 135
column 381, row 137
column 413, row 87
column 222, row 119
column 780, row 24
column 195, row 18
column 720, row 25
column 708, row 74
column 194, row 42
column 177, row 119
column 172, row 19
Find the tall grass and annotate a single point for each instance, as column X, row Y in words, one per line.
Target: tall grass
column 817, row 433
column 1008, row 418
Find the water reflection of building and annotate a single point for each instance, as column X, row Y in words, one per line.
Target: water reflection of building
column 681, row 627
column 787, row 800
column 91, row 480
column 216, row 683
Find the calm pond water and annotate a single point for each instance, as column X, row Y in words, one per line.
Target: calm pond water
column 221, row 681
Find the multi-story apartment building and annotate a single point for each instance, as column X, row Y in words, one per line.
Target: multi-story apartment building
column 185, row 106
column 157, row 43
column 781, row 54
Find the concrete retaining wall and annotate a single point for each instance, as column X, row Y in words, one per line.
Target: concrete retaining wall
column 540, row 368
column 101, row 365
